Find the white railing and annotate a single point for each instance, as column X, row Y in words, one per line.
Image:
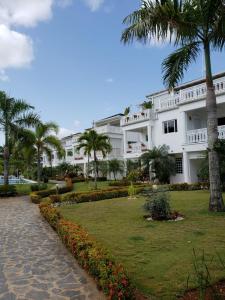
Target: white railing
column 109, row 129
column 193, row 93
column 200, row 135
column 136, row 148
column 144, row 115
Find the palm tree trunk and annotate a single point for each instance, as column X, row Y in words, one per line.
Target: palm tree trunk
column 216, row 200
column 39, row 165
column 95, row 169
column 6, row 157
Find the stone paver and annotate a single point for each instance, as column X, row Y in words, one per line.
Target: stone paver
column 34, row 264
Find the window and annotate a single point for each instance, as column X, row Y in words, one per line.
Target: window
column 170, row 126
column 179, row 165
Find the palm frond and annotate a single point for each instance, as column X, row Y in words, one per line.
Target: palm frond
column 177, row 63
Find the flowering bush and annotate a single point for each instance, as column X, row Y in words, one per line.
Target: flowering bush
column 110, row 277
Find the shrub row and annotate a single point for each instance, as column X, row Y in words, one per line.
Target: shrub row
column 188, row 187
column 8, row 191
column 37, row 196
column 111, row 278
column 123, row 182
column 97, row 195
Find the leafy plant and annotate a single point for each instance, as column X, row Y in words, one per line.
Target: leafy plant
column 132, row 191
column 157, row 205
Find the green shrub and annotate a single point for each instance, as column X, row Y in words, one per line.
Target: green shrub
column 55, row 198
column 157, row 204
column 8, row 190
column 133, row 176
column 38, row 187
column 37, row 196
column 131, row 190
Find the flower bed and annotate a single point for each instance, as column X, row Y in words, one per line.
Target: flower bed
column 111, row 277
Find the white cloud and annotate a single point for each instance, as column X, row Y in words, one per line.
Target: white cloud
column 16, row 49
column 64, row 3
column 94, row 5
column 25, row 12
column 76, row 124
column 109, row 80
column 3, row 76
column 64, row 132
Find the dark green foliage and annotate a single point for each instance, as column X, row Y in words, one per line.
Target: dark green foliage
column 157, row 205
column 38, row 187
column 8, row 190
column 163, row 165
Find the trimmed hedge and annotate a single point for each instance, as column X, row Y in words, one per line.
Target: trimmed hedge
column 188, row 187
column 38, row 187
column 8, row 190
column 37, row 196
column 97, row 195
column 111, row 278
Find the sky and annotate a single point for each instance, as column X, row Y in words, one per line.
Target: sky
column 65, row 58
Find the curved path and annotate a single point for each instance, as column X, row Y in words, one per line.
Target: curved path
column 34, row 264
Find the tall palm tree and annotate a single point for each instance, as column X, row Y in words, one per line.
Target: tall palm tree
column 194, row 26
column 14, row 116
column 92, row 142
column 44, row 140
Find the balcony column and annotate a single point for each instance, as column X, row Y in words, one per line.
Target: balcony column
column 150, row 144
column 182, row 127
column 186, row 167
column 125, row 142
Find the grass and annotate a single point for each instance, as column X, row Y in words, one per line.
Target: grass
column 89, row 186
column 157, row 255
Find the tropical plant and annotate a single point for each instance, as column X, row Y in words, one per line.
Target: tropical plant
column 92, row 142
column 45, row 141
column 116, row 166
column 193, row 25
column 146, row 105
column 158, row 206
column 132, row 165
column 14, row 116
column 159, row 162
column 127, row 111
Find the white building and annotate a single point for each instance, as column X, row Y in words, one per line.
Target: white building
column 177, row 119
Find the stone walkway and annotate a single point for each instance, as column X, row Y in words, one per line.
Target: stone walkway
column 34, row 264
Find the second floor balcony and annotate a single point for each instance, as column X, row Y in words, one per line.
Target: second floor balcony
column 136, row 148
column 198, row 136
column 196, row 92
column 145, row 115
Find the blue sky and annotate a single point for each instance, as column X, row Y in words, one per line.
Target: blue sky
column 73, row 67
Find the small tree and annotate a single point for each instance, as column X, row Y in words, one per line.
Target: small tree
column 163, row 165
column 115, row 166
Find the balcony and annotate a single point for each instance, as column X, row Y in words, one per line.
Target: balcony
column 200, row 135
column 145, row 115
column 108, row 129
column 194, row 93
column 136, row 148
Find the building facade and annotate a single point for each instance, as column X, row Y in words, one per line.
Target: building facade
column 177, row 119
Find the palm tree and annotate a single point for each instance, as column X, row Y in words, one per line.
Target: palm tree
column 115, row 167
column 193, row 25
column 14, row 116
column 158, row 161
column 92, row 142
column 45, row 141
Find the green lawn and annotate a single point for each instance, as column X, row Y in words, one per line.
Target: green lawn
column 89, row 186
column 157, row 255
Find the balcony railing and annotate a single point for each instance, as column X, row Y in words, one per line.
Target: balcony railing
column 109, row 129
column 147, row 114
column 168, row 101
column 200, row 135
column 136, row 148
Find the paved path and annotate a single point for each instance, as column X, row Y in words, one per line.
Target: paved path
column 34, row 264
